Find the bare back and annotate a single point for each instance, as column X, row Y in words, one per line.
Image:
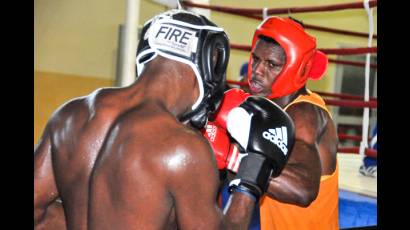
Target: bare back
column 117, row 168
column 145, row 174
column 73, row 138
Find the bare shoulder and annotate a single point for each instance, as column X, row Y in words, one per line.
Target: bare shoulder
column 78, row 109
column 195, row 150
column 303, row 111
column 170, row 144
column 191, row 164
column 190, row 153
column 68, row 109
column 315, row 126
column 309, row 120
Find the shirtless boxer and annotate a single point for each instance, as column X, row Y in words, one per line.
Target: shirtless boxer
column 126, row 158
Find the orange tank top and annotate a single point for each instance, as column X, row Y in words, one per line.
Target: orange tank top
column 322, row 213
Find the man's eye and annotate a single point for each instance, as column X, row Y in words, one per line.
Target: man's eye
column 272, row 65
column 255, row 59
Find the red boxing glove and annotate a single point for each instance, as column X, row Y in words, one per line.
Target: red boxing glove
column 232, row 98
column 227, row 154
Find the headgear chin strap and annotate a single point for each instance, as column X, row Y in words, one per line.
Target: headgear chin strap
column 194, row 40
column 303, row 60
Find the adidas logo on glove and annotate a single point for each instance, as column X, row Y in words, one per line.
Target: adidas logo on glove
column 278, row 136
column 211, row 132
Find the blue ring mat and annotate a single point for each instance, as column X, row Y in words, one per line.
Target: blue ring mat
column 356, row 210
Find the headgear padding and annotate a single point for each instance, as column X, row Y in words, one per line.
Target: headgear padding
column 303, row 60
column 194, row 40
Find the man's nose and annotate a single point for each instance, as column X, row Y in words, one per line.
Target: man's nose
column 259, row 68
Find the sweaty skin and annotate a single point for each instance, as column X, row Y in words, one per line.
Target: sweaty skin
column 314, row 152
column 120, row 159
column 155, row 165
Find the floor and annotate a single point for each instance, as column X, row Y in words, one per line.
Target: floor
column 357, row 194
column 351, row 180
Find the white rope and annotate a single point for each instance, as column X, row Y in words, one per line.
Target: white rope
column 265, row 12
column 365, row 125
column 179, row 5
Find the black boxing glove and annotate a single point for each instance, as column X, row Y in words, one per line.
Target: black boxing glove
column 267, row 134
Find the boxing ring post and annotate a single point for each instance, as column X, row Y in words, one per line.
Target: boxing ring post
column 128, row 49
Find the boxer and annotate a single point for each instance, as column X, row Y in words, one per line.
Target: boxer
column 133, row 157
column 304, row 194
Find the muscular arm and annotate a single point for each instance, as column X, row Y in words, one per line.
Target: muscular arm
column 194, row 189
column 299, row 181
column 48, row 213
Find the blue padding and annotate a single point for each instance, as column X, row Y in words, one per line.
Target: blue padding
column 356, row 210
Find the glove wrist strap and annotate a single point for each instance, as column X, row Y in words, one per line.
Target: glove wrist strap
column 254, row 173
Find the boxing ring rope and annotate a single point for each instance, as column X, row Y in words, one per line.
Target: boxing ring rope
column 337, row 31
column 355, row 150
column 338, row 51
column 343, row 96
column 353, row 63
column 325, row 94
column 250, row 13
column 237, row 83
column 333, row 7
column 343, row 136
column 354, row 102
column 351, row 103
column 349, row 51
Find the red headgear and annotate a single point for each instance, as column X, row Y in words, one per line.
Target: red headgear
column 303, row 60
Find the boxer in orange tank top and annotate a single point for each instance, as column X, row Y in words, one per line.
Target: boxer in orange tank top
column 305, row 194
